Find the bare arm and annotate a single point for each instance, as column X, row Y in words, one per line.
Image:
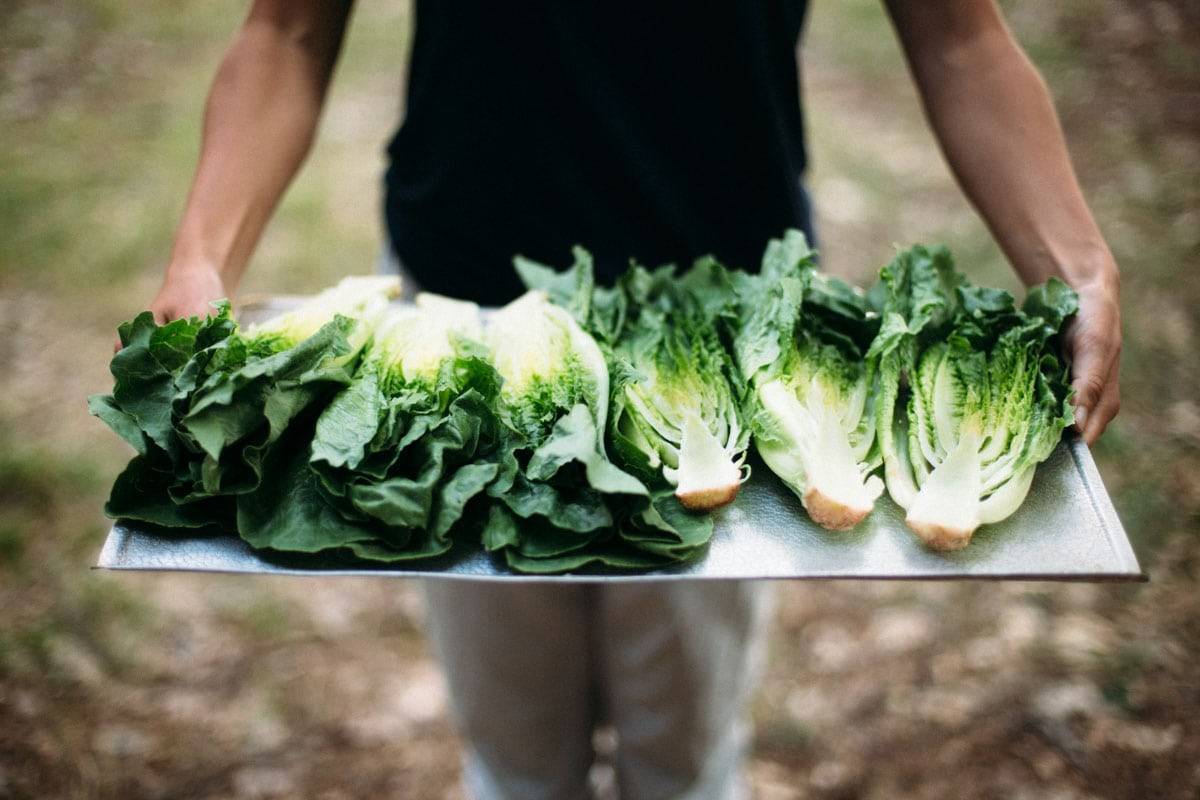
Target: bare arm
column 259, row 124
column 995, row 122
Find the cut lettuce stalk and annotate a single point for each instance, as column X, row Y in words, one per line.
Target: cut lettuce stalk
column 809, row 448
column 709, row 472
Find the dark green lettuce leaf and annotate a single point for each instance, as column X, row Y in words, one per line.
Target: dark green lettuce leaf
column 203, row 404
column 141, row 493
column 406, row 445
column 263, row 395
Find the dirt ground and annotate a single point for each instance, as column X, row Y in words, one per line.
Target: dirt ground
column 186, row 686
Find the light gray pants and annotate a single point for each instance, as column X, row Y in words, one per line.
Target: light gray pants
column 534, row 667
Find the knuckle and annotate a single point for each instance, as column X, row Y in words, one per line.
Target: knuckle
column 1088, row 389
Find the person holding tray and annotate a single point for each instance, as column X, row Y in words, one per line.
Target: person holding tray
column 661, row 131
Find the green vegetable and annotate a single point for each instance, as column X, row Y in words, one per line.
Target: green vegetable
column 397, row 454
column 676, row 400
column 973, row 394
column 555, row 477
column 800, row 341
column 203, row 402
column 585, row 426
column 259, row 380
column 659, row 339
column 154, row 373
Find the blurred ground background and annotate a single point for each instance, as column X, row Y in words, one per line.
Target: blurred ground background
column 187, row 686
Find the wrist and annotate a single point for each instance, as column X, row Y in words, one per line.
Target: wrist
column 200, row 255
column 1088, row 269
column 198, row 278
column 1100, row 277
column 197, row 270
column 187, row 268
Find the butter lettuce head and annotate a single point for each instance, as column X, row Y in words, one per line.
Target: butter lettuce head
column 204, row 401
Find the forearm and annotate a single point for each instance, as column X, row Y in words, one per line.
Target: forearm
column 997, row 127
column 259, row 123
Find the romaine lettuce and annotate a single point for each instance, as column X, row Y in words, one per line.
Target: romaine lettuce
column 398, row 453
column 973, row 394
column 800, row 342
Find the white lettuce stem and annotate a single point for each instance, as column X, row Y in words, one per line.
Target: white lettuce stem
column 708, row 476
column 814, row 457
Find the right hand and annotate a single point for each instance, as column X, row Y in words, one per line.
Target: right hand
column 185, row 293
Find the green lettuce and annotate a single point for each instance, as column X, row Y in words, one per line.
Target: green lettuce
column 801, row 339
column 973, row 394
column 396, row 456
column 677, row 396
column 154, row 372
column 259, row 379
column 203, row 401
column 560, row 501
column 554, row 473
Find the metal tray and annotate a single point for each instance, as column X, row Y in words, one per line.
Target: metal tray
column 1066, row 530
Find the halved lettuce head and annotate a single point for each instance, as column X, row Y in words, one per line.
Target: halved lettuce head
column 568, row 505
column 801, row 340
column 974, row 394
column 676, row 417
column 556, row 487
column 676, row 405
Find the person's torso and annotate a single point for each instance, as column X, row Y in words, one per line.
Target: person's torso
column 655, row 130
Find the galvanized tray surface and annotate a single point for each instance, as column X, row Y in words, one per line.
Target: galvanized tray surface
column 1066, row 530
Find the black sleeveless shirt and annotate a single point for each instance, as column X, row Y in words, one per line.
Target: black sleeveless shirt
column 658, row 130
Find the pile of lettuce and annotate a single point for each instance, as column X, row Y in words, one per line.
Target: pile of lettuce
column 587, row 426
column 955, row 391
